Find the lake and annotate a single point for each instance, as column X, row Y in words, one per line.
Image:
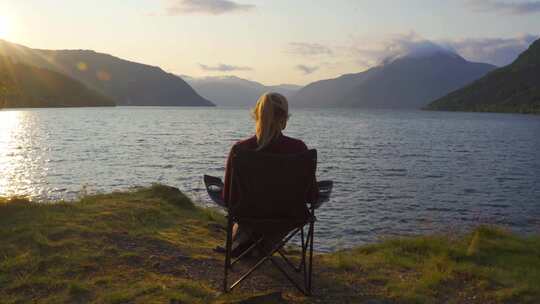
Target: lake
column 395, row 172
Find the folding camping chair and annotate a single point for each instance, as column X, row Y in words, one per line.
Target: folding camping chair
column 273, row 200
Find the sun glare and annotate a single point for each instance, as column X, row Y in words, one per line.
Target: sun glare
column 5, row 26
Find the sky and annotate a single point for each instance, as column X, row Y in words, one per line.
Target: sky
column 273, row 41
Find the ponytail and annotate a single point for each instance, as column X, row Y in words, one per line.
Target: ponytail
column 270, row 114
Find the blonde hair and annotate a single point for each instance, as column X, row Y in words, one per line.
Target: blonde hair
column 271, row 114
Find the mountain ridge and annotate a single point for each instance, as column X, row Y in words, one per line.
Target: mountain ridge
column 232, row 90
column 514, row 88
column 409, row 82
column 125, row 81
column 24, row 86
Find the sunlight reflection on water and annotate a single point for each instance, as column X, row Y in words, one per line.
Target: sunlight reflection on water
column 10, row 129
column 24, row 148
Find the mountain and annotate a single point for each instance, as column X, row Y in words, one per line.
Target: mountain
column 27, row 86
column 514, row 88
column 235, row 91
column 407, row 82
column 126, row 82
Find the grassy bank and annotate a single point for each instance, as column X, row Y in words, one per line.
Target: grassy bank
column 153, row 245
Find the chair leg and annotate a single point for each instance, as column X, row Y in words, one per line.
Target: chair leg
column 249, row 249
column 250, row 271
column 276, row 264
column 304, row 244
column 228, row 246
column 291, row 264
column 261, row 261
column 310, row 275
column 303, row 261
column 306, row 263
column 306, row 291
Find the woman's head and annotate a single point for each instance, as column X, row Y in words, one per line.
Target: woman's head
column 271, row 114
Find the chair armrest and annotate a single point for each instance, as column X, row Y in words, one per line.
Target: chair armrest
column 325, row 190
column 214, row 187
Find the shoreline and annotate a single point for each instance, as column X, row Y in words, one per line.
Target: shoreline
column 155, row 245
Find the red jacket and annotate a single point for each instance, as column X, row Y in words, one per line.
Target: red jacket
column 280, row 145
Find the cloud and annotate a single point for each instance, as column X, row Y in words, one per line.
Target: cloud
column 224, row 68
column 370, row 52
column 363, row 52
column 501, row 7
column 212, row 7
column 307, row 69
column 308, row 49
column 497, row 51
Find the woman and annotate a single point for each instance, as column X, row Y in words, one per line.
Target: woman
column 271, row 115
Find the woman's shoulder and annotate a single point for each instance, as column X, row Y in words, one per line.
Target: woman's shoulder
column 248, row 143
column 285, row 143
column 295, row 142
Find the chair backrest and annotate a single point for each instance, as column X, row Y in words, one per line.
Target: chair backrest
column 272, row 189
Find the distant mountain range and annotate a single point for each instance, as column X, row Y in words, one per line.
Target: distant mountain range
column 126, row 82
column 514, row 88
column 22, row 85
column 235, row 91
column 408, row 82
column 37, row 78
